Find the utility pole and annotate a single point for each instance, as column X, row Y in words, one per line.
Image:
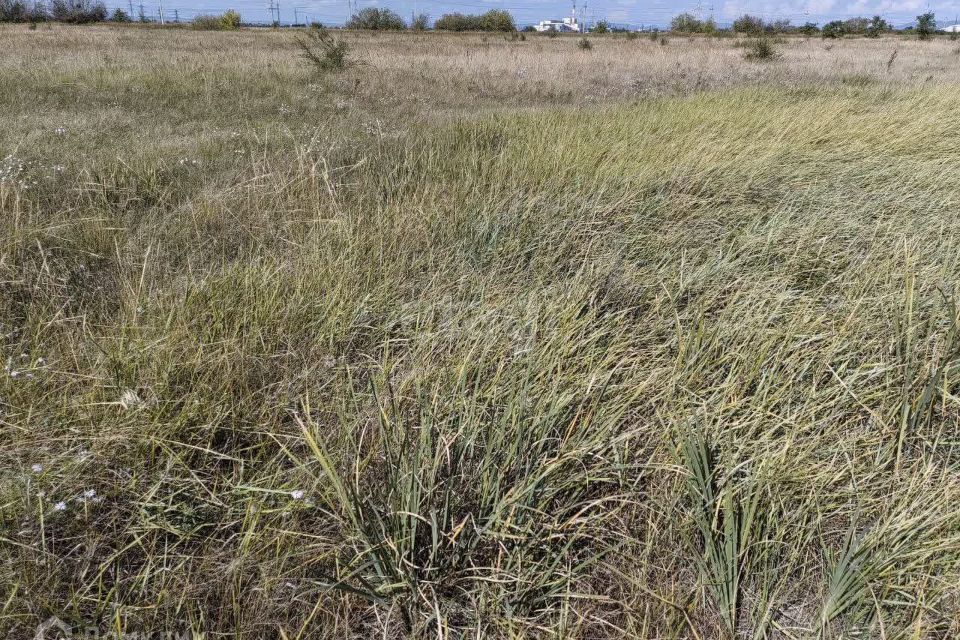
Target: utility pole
column 160, row 10
column 131, row 9
column 176, row 16
column 143, row 16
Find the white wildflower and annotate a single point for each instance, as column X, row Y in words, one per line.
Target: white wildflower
column 297, row 494
column 37, row 468
column 89, row 494
column 60, row 506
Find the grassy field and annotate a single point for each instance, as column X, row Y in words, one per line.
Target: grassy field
column 479, row 337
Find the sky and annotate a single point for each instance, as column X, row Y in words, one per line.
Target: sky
column 632, row 12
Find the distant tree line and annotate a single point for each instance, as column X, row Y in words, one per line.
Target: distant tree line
column 71, row 11
column 89, row 11
column 925, row 27
column 377, row 19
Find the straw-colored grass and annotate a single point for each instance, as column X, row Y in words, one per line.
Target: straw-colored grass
column 299, row 356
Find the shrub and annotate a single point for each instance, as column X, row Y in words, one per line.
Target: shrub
column 809, row 29
column 493, row 20
column 375, row 19
column 323, row 51
column 584, row 44
column 420, row 22
column 926, row 25
column 834, row 29
column 761, row 49
column 78, row 11
column 206, row 22
column 228, row 21
column 119, row 15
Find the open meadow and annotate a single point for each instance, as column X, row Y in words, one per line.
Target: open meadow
column 479, row 336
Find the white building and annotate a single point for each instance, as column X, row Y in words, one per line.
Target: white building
column 560, row 26
column 954, row 28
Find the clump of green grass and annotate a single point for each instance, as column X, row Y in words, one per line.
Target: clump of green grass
column 584, row 44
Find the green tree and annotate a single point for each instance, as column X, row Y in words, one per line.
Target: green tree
column 834, row 29
column 877, row 26
column 926, row 25
column 456, row 22
column 601, row 26
column 497, row 20
column 751, row 25
column 421, row 22
column 856, row 26
column 778, row 26
column 685, row 23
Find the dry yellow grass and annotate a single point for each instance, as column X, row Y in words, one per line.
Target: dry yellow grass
column 437, row 71
column 478, row 338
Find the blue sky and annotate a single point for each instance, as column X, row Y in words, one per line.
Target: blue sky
column 635, row 12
